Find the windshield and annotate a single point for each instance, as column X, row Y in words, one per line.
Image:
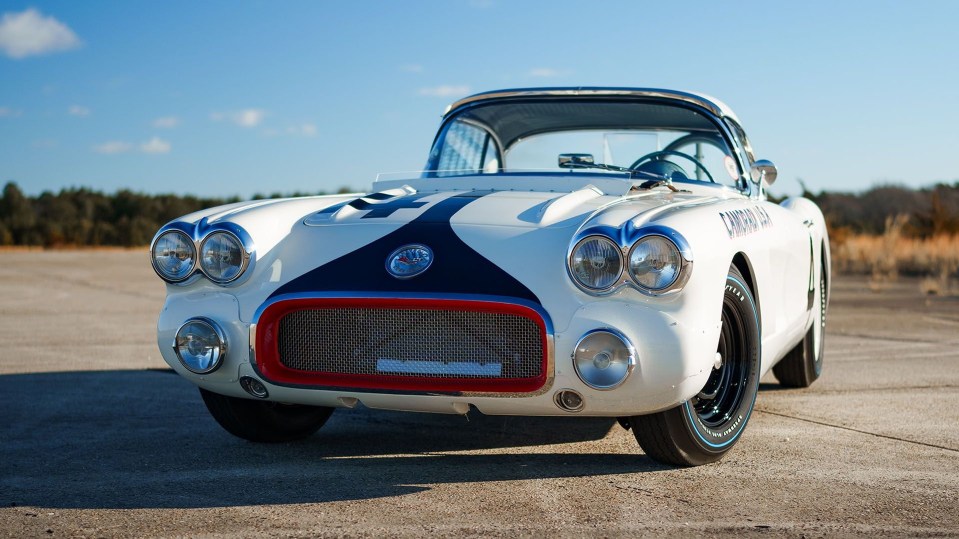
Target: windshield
column 512, row 136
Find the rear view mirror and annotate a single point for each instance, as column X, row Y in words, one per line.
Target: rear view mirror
column 763, row 170
column 575, row 160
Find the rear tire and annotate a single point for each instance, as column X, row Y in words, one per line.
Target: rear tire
column 803, row 364
column 265, row 421
column 704, row 428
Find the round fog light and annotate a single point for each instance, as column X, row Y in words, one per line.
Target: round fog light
column 569, row 400
column 200, row 345
column 254, row 387
column 603, row 359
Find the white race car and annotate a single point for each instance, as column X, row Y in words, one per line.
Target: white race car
column 568, row 251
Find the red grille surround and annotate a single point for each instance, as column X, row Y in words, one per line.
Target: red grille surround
column 271, row 366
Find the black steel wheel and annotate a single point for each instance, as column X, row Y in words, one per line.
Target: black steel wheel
column 265, row 421
column 702, row 429
column 803, row 364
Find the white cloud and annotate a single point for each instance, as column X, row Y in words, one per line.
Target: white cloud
column 155, row 145
column 249, row 117
column 113, row 147
column 303, row 130
column 166, row 122
column 77, row 110
column 412, row 68
column 242, row 118
column 7, row 112
column 30, row 33
column 446, row 90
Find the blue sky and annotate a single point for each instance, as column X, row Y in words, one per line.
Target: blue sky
column 234, row 98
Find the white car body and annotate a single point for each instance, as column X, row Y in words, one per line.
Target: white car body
column 523, row 225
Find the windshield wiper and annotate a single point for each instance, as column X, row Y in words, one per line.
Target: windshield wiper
column 585, row 160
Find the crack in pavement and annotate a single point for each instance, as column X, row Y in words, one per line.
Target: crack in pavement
column 841, row 427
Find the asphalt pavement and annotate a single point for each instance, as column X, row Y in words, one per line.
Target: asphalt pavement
column 99, row 438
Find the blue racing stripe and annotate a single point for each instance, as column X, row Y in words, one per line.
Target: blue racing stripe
column 456, row 268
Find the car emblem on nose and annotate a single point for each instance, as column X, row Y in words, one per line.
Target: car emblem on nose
column 409, row 261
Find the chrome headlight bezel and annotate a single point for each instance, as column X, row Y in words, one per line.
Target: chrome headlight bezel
column 187, row 240
column 682, row 272
column 197, row 235
column 221, row 346
column 588, row 374
column 620, row 261
column 243, row 254
column 626, row 238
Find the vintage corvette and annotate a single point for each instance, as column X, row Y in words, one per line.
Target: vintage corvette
column 568, row 251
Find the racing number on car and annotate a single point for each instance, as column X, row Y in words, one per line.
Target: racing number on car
column 379, row 210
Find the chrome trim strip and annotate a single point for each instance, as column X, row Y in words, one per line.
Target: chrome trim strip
column 544, row 316
column 592, row 91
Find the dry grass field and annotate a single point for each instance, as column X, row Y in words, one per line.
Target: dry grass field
column 884, row 258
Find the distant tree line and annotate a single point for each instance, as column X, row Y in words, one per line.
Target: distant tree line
column 83, row 217
column 927, row 212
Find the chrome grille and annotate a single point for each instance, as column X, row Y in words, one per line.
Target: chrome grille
column 412, row 343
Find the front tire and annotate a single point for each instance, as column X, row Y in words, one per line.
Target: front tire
column 704, row 428
column 265, row 421
column 803, row 364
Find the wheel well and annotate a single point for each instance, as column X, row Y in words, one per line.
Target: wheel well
column 742, row 264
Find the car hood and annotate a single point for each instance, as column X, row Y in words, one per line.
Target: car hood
column 522, row 209
column 486, row 242
column 525, row 203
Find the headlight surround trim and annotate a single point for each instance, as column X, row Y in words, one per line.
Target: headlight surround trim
column 620, row 261
column 590, row 375
column 243, row 253
column 221, row 348
column 197, row 235
column 626, row 237
column 187, row 240
column 681, row 264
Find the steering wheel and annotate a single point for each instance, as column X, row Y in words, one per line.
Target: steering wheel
column 657, row 156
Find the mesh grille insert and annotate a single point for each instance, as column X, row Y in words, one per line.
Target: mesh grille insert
column 412, row 342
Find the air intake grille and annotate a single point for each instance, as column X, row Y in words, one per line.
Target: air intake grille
column 420, row 343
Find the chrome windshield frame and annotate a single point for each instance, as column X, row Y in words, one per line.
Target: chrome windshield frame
column 715, row 113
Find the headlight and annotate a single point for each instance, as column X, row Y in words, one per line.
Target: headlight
column 655, row 263
column 603, row 359
column 222, row 257
column 200, row 344
column 596, row 263
column 174, row 256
